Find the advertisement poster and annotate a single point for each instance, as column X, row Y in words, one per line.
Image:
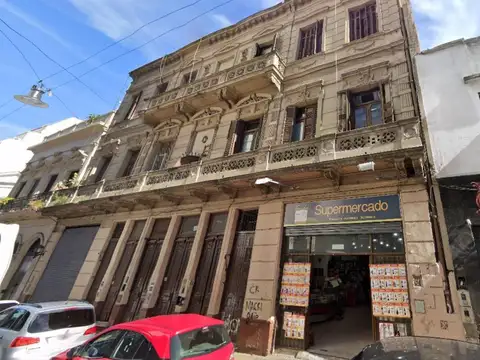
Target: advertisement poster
column 358, row 210
column 294, row 325
column 389, row 288
column 295, row 289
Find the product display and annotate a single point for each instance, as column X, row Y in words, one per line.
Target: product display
column 389, row 290
column 295, row 289
column 294, row 325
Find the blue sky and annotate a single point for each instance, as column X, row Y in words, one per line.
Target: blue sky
column 70, row 30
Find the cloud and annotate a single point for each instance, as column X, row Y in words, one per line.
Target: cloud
column 222, row 20
column 440, row 21
column 30, row 20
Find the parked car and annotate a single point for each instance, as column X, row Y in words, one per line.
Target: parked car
column 173, row 337
column 5, row 304
column 419, row 348
column 40, row 331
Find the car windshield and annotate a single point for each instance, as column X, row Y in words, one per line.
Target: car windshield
column 198, row 342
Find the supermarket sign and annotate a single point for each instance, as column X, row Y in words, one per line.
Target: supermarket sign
column 359, row 210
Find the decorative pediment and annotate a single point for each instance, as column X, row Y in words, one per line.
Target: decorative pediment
column 168, row 124
column 254, row 98
column 265, row 32
column 168, row 129
column 366, row 75
column 208, row 112
column 135, row 141
column 227, row 48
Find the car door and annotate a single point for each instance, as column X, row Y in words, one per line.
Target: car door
column 101, row 347
column 134, row 346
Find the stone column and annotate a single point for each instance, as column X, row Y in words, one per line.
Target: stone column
column 42, row 263
column 223, row 262
column 158, row 274
column 87, row 272
column 123, row 295
column 258, row 316
column 425, row 276
column 112, row 267
column 190, row 271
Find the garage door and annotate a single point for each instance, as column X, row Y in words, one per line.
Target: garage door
column 64, row 264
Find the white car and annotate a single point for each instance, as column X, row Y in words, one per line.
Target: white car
column 41, row 331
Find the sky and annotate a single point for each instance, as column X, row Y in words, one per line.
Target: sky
column 69, row 31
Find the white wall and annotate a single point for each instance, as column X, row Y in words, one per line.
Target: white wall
column 452, row 107
column 11, row 166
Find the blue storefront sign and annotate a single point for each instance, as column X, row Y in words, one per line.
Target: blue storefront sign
column 359, row 210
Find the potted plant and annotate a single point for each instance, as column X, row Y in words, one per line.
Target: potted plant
column 36, row 205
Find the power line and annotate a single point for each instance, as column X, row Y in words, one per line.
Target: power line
column 127, row 36
column 12, row 112
column 64, row 105
column 148, row 42
column 23, row 55
column 50, row 58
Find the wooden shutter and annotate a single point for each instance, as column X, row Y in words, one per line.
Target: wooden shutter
column 230, row 138
column 310, row 122
column 275, row 43
column 258, row 50
column 349, row 110
column 288, row 125
column 387, row 109
column 318, row 36
column 239, row 133
column 259, row 135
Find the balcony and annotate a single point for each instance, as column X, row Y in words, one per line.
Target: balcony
column 340, row 152
column 228, row 86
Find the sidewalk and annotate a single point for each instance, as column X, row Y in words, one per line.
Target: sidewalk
column 302, row 355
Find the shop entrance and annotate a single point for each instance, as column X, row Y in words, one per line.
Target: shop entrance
column 340, row 315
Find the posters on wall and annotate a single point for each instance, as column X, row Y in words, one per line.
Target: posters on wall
column 295, row 289
column 294, row 325
column 389, row 289
column 388, row 330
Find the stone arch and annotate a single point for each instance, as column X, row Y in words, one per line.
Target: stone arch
column 25, row 266
column 253, row 98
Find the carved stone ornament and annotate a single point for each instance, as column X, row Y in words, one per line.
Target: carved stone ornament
column 211, row 111
column 135, row 141
column 252, row 99
column 366, row 76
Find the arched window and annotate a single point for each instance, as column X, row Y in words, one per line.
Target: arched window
column 23, row 269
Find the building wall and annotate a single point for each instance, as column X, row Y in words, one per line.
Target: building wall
column 453, row 134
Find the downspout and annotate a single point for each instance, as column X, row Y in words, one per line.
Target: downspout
column 431, row 184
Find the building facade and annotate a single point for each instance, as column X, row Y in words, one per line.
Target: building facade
column 19, row 145
column 454, row 140
column 286, row 139
column 50, row 178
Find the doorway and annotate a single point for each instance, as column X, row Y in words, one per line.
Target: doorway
column 340, row 315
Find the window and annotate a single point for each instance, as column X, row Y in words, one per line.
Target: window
column 363, row 22
column 304, row 123
column 14, row 318
column 52, row 180
column 133, row 346
column 132, row 157
column 160, row 158
column 263, row 49
column 310, row 41
column 198, row 342
column 105, row 162
column 133, row 107
column 19, row 189
column 33, row 188
column 162, row 88
column 101, row 347
column 248, row 133
column 189, row 77
column 366, row 109
column 62, row 320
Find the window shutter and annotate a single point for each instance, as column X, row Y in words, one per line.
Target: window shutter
column 349, row 109
column 387, row 109
column 239, row 133
column 258, row 135
column 230, row 139
column 274, row 43
column 288, row 125
column 310, row 122
column 318, row 37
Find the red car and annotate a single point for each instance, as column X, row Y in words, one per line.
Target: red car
column 170, row 337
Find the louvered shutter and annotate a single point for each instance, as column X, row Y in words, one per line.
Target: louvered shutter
column 350, row 113
column 318, row 35
column 239, row 133
column 230, row 138
column 259, row 135
column 310, row 122
column 288, row 125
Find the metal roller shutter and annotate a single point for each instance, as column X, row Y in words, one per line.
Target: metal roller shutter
column 345, row 229
column 64, row 264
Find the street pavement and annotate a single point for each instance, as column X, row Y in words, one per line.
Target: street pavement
column 302, row 355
